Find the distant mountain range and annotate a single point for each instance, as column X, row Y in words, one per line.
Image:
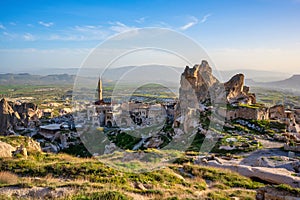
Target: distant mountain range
column 292, row 83
column 255, row 75
column 114, row 73
column 29, row 79
column 154, row 73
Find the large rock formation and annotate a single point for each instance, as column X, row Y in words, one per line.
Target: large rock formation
column 199, row 85
column 199, row 89
column 13, row 114
column 6, row 150
column 236, row 92
column 272, row 175
column 8, row 117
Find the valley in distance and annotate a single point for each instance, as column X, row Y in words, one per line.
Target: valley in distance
column 133, row 134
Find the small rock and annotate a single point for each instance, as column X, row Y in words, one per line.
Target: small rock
column 291, row 154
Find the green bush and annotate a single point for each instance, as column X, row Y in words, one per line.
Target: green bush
column 108, row 195
column 288, row 188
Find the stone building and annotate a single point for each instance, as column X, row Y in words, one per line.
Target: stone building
column 103, row 109
column 126, row 114
column 277, row 112
column 245, row 112
column 296, row 110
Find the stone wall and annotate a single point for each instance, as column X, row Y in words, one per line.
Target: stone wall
column 246, row 113
column 277, row 112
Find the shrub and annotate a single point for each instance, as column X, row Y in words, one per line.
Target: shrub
column 8, row 178
column 107, row 195
column 284, row 187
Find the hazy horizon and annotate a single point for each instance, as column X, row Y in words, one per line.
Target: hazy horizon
column 73, row 70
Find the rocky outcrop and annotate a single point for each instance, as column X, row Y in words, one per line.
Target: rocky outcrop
column 8, row 117
column 272, row 175
column 13, row 114
column 198, row 89
column 6, row 150
column 199, row 85
column 296, row 166
column 236, row 92
column 270, row 193
column 27, row 111
column 21, row 141
column 277, row 112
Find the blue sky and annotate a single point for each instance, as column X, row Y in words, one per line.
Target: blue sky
column 252, row 34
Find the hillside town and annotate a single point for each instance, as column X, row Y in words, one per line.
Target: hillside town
column 240, row 123
column 27, row 118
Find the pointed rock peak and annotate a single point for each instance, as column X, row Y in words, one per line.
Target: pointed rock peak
column 190, row 72
column 4, row 103
column 236, row 83
column 204, row 67
column 237, row 79
column 5, row 108
column 201, row 68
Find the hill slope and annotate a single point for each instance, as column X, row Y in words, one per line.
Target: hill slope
column 292, row 83
column 28, row 79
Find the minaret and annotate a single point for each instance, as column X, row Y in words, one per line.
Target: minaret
column 99, row 90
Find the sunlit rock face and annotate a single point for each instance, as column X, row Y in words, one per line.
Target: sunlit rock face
column 196, row 82
column 200, row 90
column 237, row 92
column 12, row 114
column 6, row 116
column 199, row 85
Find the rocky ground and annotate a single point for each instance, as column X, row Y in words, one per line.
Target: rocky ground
column 270, row 164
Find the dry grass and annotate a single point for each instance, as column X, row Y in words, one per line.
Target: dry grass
column 8, row 178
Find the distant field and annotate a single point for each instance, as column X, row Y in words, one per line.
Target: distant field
column 36, row 93
column 40, row 93
column 272, row 96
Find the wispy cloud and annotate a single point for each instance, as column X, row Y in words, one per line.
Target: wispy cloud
column 28, row 37
column 12, row 23
column 140, row 20
column 9, row 36
column 163, row 24
column 193, row 22
column 90, row 32
column 81, row 33
column 120, row 27
column 205, row 17
column 2, row 27
column 46, row 24
column 88, row 28
column 76, row 33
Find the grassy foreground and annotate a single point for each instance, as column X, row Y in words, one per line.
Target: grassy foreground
column 63, row 176
column 87, row 178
